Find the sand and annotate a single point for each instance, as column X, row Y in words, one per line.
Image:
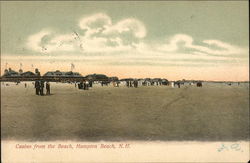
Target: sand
column 215, row 112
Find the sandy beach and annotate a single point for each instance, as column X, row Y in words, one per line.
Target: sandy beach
column 215, row 112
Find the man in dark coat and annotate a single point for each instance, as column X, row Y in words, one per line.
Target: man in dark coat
column 47, row 88
column 135, row 83
column 41, row 87
column 90, row 83
column 130, row 83
column 127, row 83
column 179, row 84
column 84, row 85
column 37, row 87
column 199, row 84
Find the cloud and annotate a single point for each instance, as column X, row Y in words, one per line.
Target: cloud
column 34, row 41
column 95, row 23
column 103, row 45
column 128, row 25
column 45, row 42
column 102, row 24
column 99, row 34
column 212, row 47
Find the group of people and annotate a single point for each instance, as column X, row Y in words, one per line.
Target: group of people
column 132, row 83
column 148, row 83
column 39, row 86
column 116, row 83
column 177, row 83
column 106, row 83
column 84, row 85
column 173, row 84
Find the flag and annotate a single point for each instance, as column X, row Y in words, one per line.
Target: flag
column 72, row 66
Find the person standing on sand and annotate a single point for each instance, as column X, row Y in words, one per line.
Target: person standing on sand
column 37, row 87
column 130, row 83
column 84, row 85
column 87, row 85
column 172, row 84
column 80, row 85
column 47, row 88
column 25, row 85
column 135, row 83
column 41, row 87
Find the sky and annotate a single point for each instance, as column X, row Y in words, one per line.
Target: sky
column 202, row 40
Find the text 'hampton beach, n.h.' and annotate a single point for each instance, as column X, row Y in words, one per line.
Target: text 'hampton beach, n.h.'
column 73, row 146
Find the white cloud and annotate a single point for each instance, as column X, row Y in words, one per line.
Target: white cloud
column 128, row 25
column 228, row 49
column 102, row 23
column 101, row 35
column 95, row 23
column 61, row 43
column 212, row 47
column 173, row 43
column 99, row 45
column 57, row 43
column 34, row 41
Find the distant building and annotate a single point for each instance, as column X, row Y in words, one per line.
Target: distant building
column 156, row 80
column 10, row 73
column 127, row 79
column 113, row 78
column 74, row 74
column 148, row 79
column 58, row 73
column 97, row 77
column 28, row 74
column 165, row 82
